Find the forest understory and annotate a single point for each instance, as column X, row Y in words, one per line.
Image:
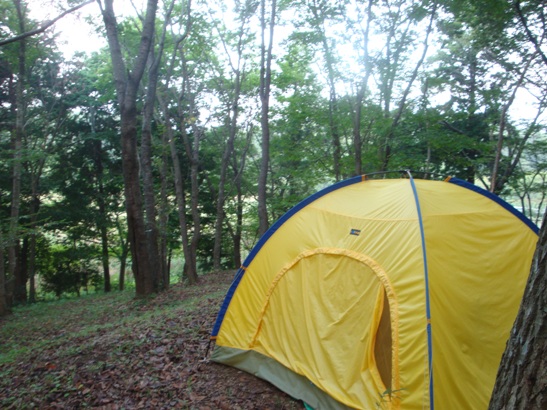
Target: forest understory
column 111, row 351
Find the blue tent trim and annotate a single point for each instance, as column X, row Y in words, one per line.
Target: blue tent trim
column 427, row 298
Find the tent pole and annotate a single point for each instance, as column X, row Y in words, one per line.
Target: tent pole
column 427, row 301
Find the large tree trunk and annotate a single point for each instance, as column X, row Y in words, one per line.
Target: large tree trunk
column 157, row 262
column 521, row 382
column 147, row 175
column 127, row 86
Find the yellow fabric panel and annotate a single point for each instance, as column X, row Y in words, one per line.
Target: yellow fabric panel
column 479, row 258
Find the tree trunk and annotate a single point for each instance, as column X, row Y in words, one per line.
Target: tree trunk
column 319, row 20
column 521, row 382
column 226, row 155
column 147, row 175
column 21, row 273
column 123, row 263
column 4, row 307
column 103, row 215
column 497, row 181
column 187, row 112
column 265, row 84
column 357, row 138
column 179, row 186
column 232, row 126
column 18, row 131
column 163, row 219
column 127, row 86
column 238, row 167
column 385, row 150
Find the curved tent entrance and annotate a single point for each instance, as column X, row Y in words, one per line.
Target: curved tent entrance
column 342, row 317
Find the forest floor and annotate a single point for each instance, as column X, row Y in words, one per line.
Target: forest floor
column 112, row 351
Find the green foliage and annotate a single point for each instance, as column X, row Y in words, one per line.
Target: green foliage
column 449, row 123
column 69, row 271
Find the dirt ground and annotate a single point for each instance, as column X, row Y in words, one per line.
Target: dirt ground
column 152, row 356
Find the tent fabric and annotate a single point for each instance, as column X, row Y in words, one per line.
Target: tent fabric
column 393, row 293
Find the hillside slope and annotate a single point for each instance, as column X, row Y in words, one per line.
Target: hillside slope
column 113, row 352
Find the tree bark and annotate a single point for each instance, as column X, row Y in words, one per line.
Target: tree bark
column 17, row 144
column 189, row 257
column 232, row 126
column 178, row 181
column 163, row 219
column 238, row 167
column 521, row 382
column 127, row 86
column 4, row 307
column 265, row 84
column 157, row 263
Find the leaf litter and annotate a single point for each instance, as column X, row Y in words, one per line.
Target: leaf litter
column 112, row 352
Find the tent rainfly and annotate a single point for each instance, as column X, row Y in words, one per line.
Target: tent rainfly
column 381, row 294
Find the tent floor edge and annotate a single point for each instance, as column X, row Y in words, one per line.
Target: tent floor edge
column 286, row 380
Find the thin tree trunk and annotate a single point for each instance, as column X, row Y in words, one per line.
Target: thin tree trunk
column 103, row 216
column 32, row 256
column 178, row 181
column 34, row 209
column 521, row 382
column 178, row 178
column 21, row 273
column 386, row 148
column 357, row 138
column 265, row 84
column 4, row 306
column 228, row 150
column 496, row 184
column 18, row 133
column 319, row 17
column 192, row 272
column 124, row 245
column 164, row 215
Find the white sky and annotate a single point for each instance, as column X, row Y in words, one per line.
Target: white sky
column 75, row 34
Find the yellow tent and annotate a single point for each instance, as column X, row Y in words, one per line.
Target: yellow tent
column 373, row 294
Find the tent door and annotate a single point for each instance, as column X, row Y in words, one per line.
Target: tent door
column 327, row 316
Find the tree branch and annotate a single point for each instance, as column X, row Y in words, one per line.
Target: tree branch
column 44, row 26
column 529, row 33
